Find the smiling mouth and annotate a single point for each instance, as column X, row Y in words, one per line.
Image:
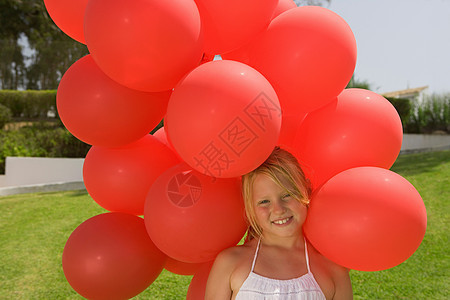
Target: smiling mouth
column 282, row 221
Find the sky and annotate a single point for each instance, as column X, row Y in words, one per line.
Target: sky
column 401, row 43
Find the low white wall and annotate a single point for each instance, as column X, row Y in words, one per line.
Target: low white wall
column 418, row 142
column 20, row 171
column 39, row 188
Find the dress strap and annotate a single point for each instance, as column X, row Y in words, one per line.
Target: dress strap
column 307, row 258
column 256, row 254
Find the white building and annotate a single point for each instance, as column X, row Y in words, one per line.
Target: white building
column 413, row 94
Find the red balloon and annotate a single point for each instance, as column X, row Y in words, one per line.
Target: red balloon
column 197, row 287
column 118, row 179
column 160, row 134
column 181, row 268
column 223, row 118
column 360, row 128
column 146, row 45
column 289, row 128
column 230, row 24
column 308, row 54
column 282, row 6
column 366, row 219
column 207, row 58
column 68, row 15
column 192, row 217
column 101, row 112
column 110, row 256
column 242, row 54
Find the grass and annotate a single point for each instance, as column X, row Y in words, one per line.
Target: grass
column 425, row 275
column 35, row 227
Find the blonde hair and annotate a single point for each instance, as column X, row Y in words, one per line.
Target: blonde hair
column 281, row 166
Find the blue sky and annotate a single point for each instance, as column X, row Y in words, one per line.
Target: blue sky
column 401, row 43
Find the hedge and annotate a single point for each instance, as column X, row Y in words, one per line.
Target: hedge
column 40, row 140
column 427, row 116
column 430, row 115
column 5, row 116
column 403, row 107
column 30, row 104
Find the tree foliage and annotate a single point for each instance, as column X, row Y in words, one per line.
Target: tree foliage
column 5, row 116
column 49, row 53
column 430, row 115
column 358, row 83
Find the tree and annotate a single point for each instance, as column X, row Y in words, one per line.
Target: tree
column 12, row 67
column 51, row 51
column 358, row 83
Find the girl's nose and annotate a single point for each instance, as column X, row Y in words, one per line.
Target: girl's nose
column 278, row 207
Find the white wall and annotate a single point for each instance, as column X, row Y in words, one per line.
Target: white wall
column 21, row 171
column 417, row 142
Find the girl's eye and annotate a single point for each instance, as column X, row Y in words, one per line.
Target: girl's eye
column 286, row 196
column 262, row 202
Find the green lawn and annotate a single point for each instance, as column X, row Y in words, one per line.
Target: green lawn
column 426, row 274
column 35, row 227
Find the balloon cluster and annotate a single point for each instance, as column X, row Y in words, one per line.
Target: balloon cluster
column 281, row 81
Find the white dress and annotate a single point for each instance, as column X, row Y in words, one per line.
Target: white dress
column 259, row 287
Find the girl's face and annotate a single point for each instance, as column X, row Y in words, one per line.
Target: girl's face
column 277, row 212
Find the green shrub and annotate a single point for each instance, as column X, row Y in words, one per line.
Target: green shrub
column 432, row 114
column 356, row 83
column 29, row 104
column 40, row 140
column 5, row 116
column 403, row 107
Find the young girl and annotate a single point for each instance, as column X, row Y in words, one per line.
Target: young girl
column 276, row 262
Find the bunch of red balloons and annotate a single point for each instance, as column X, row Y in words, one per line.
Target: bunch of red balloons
column 281, row 81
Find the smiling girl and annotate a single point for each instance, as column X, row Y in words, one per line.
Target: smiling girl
column 276, row 262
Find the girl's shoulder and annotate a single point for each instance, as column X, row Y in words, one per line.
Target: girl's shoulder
column 235, row 255
column 229, row 269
